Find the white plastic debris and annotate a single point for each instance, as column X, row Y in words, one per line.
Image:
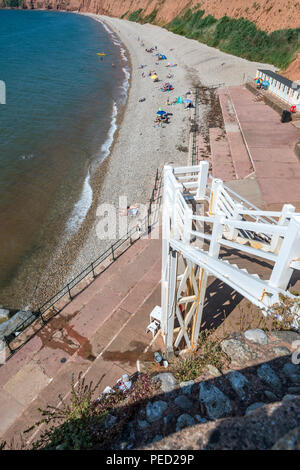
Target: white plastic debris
column 157, row 357
column 124, row 383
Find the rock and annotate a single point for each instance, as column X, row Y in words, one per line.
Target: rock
column 270, row 395
column 4, row 314
column 183, row 402
column 155, row 410
column 109, row 421
column 286, row 336
column 289, row 397
column 290, row 441
column 213, row 370
column 253, row 407
column 186, row 387
column 128, row 437
column 266, row 373
column 237, row 351
column 292, row 371
column 169, row 418
column 217, row 404
column 256, row 336
column 184, row 421
column 280, row 351
column 200, row 419
column 168, row 381
column 294, row 390
column 142, row 424
column 158, row 437
column 239, row 383
column 20, row 319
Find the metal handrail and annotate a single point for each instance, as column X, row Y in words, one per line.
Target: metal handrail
column 67, row 289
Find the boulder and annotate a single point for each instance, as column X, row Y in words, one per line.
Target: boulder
column 155, row 410
column 256, row 336
column 184, row 421
column 142, row 424
column 280, row 351
column 216, row 403
column 239, row 383
column 292, row 371
column 183, row 402
column 186, row 387
column 19, row 320
column 286, row 336
column 212, row 370
column 253, row 407
column 238, row 351
column 266, row 373
column 168, row 381
column 4, row 315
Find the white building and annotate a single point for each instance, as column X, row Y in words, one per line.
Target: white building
column 282, row 87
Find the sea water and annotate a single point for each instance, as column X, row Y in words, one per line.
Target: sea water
column 56, row 127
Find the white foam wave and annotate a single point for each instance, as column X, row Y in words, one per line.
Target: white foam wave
column 81, row 207
column 107, row 144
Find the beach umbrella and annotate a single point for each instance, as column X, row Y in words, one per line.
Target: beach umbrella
column 160, row 112
column 179, row 100
column 187, row 101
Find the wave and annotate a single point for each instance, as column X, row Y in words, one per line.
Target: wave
column 81, row 207
column 84, row 203
column 107, row 144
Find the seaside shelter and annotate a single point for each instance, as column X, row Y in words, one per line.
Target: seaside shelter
column 282, row 87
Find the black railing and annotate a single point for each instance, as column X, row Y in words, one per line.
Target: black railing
column 49, row 309
column 195, row 129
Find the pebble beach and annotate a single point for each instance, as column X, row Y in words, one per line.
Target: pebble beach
column 140, row 146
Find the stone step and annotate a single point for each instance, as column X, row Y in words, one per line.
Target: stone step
column 77, row 336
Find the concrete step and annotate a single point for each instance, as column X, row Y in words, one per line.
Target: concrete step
column 108, row 311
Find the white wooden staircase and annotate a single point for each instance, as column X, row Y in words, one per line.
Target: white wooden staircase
column 201, row 216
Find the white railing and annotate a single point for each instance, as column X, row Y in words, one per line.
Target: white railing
column 230, row 222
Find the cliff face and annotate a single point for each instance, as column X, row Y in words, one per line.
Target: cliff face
column 268, row 15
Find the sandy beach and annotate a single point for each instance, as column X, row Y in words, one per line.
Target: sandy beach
column 139, row 148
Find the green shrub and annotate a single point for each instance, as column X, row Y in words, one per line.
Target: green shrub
column 239, row 37
column 136, row 15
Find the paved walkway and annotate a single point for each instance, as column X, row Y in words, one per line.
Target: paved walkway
column 101, row 333
column 270, row 145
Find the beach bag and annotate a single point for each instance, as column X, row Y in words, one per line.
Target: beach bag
column 286, row 116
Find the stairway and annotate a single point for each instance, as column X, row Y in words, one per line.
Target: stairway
column 202, row 220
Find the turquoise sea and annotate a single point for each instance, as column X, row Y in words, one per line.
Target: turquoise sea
column 55, row 129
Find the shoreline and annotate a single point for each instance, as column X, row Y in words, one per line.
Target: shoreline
column 138, row 148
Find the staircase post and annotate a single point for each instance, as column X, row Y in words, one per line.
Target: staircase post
column 214, row 250
column 233, row 232
column 166, row 216
column 289, row 251
column 216, row 187
column 171, row 305
column 287, row 211
column 202, row 180
column 188, row 221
